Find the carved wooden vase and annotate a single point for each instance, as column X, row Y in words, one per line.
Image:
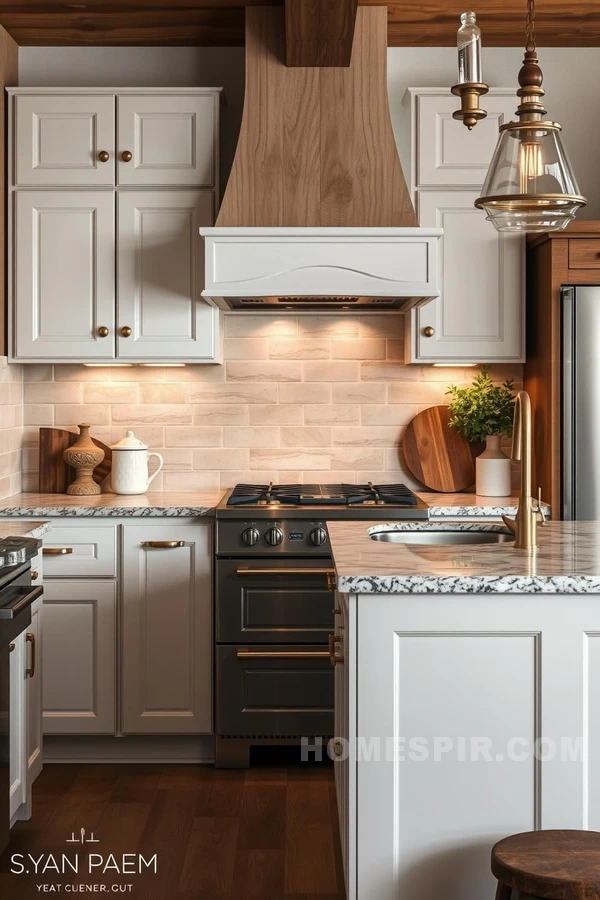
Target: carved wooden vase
column 84, row 456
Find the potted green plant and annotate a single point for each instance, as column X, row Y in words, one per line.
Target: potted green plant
column 484, row 412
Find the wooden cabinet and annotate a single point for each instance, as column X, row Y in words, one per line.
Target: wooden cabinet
column 161, row 268
column 64, row 274
column 79, row 668
column 62, row 139
column 480, row 314
column 553, row 260
column 479, row 317
column 74, row 248
column 167, row 634
column 171, row 138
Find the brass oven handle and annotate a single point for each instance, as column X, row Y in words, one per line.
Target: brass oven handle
column 282, row 654
column 163, row 545
column 30, row 638
column 334, row 656
column 328, row 573
column 56, row 551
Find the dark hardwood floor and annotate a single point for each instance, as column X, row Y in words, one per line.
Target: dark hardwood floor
column 269, row 832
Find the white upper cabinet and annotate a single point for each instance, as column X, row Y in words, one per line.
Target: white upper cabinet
column 445, row 151
column 161, row 275
column 107, row 193
column 167, row 139
column 479, row 316
column 65, row 139
column 64, row 274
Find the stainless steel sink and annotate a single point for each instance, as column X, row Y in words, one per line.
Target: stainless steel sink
column 444, row 536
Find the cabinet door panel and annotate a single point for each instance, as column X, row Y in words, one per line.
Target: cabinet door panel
column 33, row 648
column 161, row 276
column 479, row 316
column 447, row 152
column 17, row 712
column 58, row 139
column 79, row 668
column 64, row 275
column 167, row 634
column 171, row 138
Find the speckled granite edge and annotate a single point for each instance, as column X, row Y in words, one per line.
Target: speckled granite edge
column 38, row 529
column 439, row 526
column 466, row 511
column 468, row 584
column 115, row 512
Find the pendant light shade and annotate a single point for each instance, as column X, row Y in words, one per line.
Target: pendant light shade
column 530, row 185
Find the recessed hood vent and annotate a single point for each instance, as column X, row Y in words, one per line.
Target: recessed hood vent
column 317, row 215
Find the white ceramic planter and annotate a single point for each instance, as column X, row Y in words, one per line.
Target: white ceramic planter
column 492, row 470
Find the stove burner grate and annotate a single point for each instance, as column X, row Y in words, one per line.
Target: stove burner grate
column 322, row 495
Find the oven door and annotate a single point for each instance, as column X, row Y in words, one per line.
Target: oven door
column 277, row 690
column 275, row 600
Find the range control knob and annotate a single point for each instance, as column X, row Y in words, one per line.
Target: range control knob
column 250, row 536
column 317, row 536
column 274, row 536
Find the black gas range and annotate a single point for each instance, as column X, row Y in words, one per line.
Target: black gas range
column 276, row 644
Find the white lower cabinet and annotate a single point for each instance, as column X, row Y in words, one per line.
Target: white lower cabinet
column 79, row 670
column 477, row 717
column 18, row 728
column 34, row 649
column 129, row 654
column 166, row 629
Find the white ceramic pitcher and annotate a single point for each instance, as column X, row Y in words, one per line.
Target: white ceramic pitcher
column 130, row 458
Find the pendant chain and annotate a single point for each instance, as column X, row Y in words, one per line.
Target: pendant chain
column 530, row 26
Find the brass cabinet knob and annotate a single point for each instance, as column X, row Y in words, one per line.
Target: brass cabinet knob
column 34, row 575
column 126, row 155
column 103, row 331
column 429, row 331
column 125, row 331
column 104, row 156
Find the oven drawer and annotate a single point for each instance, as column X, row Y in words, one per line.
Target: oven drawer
column 290, row 694
column 257, row 604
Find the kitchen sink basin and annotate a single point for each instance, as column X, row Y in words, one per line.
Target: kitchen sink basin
column 445, row 536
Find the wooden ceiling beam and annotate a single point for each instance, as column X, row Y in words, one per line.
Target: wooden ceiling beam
column 319, row 32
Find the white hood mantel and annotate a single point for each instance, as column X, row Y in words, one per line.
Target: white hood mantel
column 316, row 215
column 320, row 269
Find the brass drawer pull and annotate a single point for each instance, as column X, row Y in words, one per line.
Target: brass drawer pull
column 56, row 551
column 163, row 545
column 334, row 656
column 282, row 654
column 328, row 573
column 30, row 638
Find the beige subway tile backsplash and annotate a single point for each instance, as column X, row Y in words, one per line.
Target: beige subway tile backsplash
column 300, row 398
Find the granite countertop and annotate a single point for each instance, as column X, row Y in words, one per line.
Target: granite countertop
column 567, row 562
column 203, row 503
column 459, row 505
column 158, row 503
column 10, row 528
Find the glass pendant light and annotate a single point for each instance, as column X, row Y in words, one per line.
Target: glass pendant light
column 530, row 185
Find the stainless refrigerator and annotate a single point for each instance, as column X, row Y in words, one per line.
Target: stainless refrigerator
column 581, row 402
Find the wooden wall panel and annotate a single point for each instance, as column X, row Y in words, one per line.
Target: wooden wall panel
column 316, row 145
column 9, row 71
column 319, row 32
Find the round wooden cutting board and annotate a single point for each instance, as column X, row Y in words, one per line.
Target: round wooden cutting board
column 436, row 454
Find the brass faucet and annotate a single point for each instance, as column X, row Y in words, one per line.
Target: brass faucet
column 530, row 512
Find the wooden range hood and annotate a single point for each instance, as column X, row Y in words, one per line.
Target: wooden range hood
column 316, row 214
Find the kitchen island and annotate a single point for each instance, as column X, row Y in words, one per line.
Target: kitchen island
column 467, row 702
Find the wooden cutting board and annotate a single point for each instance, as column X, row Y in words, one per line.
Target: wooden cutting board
column 55, row 474
column 436, row 454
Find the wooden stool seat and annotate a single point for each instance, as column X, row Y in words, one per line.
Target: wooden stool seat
column 559, row 865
